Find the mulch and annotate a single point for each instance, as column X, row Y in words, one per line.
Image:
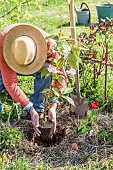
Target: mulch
column 67, row 146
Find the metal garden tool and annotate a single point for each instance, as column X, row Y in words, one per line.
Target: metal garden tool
column 81, row 104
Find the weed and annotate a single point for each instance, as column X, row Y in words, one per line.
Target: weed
column 9, row 137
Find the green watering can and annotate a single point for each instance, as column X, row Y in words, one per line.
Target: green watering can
column 104, row 11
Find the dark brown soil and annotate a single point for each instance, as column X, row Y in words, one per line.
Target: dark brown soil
column 47, row 138
column 58, row 150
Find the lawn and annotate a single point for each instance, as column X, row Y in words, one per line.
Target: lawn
column 87, row 147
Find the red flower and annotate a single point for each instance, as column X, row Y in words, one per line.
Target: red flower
column 94, row 39
column 94, row 105
column 103, row 59
column 98, row 73
column 99, row 43
column 62, row 105
column 92, row 26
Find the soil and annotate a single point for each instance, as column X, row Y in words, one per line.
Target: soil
column 66, row 146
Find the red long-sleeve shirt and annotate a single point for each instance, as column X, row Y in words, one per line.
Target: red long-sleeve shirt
column 10, row 78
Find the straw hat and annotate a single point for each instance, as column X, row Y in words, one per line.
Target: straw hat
column 25, row 49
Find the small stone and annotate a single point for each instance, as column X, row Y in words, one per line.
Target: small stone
column 74, row 146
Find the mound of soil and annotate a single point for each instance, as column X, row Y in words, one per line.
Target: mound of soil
column 66, row 145
column 47, row 138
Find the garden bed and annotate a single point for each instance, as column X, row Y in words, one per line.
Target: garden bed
column 70, row 147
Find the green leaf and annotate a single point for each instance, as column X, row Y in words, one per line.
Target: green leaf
column 69, row 100
column 76, row 51
column 92, row 116
column 111, row 138
column 67, row 90
column 44, row 72
column 72, row 60
column 65, row 38
column 60, row 78
column 103, row 133
column 55, row 76
column 49, row 37
column 55, row 37
column 60, row 63
column 83, row 129
column 55, row 90
column 45, row 90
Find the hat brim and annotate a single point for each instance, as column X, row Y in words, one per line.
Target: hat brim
column 41, row 56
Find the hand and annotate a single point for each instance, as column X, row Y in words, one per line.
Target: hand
column 35, row 121
column 52, row 116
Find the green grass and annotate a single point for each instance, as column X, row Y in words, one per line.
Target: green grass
column 50, row 18
column 25, row 164
column 20, row 164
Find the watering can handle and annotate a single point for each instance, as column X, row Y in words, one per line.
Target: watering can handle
column 88, row 9
column 108, row 3
column 75, row 7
